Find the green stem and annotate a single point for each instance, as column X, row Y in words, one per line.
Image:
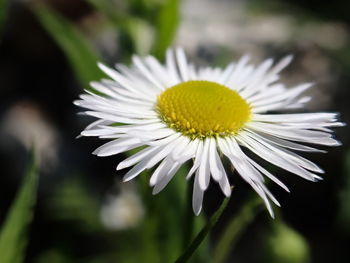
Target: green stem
column 235, row 228
column 203, row 233
column 188, row 217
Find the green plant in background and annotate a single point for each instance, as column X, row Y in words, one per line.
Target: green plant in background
column 284, row 244
column 77, row 49
column 3, row 12
column 146, row 27
column 14, row 231
column 344, row 209
column 157, row 238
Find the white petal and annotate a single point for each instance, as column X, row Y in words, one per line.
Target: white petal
column 166, row 178
column 273, row 158
column 225, row 185
column 226, row 73
column 182, row 63
column 197, row 197
column 145, row 71
column 204, row 170
column 214, row 161
column 137, row 157
column 237, row 70
column 171, row 66
column 115, row 146
column 197, row 160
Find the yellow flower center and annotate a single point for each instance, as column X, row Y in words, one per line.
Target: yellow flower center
column 200, row 109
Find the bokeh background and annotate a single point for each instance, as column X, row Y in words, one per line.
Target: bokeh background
column 83, row 213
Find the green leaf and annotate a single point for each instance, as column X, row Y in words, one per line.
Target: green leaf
column 82, row 57
column 3, row 11
column 166, row 25
column 13, row 236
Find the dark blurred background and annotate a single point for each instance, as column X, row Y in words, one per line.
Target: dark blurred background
column 48, row 51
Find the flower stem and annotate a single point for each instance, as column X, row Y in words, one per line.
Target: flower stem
column 188, row 217
column 203, row 233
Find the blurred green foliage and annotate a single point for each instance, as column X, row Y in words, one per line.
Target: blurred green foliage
column 13, row 234
column 145, row 26
column 72, row 202
column 166, row 25
column 77, row 49
column 285, row 244
column 3, row 12
column 235, row 228
column 344, row 209
column 149, row 26
column 157, row 238
column 196, row 243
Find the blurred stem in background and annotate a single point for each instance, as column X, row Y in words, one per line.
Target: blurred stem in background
column 188, row 217
column 344, row 197
column 185, row 257
column 13, row 234
column 235, row 228
column 3, row 14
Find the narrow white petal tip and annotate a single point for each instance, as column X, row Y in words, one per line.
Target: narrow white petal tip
column 197, row 211
column 289, row 58
column 101, row 65
column 79, row 136
column 127, row 179
column 227, row 192
column 120, row 166
column 317, row 178
column 337, row 143
column 101, row 154
column 155, row 191
column 203, row 185
column 152, row 183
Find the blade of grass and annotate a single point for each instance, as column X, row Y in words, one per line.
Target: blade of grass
column 82, row 57
column 13, row 236
column 203, row 233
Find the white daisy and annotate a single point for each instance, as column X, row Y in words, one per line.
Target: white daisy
column 176, row 113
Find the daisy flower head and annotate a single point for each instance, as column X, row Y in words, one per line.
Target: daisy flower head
column 177, row 113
